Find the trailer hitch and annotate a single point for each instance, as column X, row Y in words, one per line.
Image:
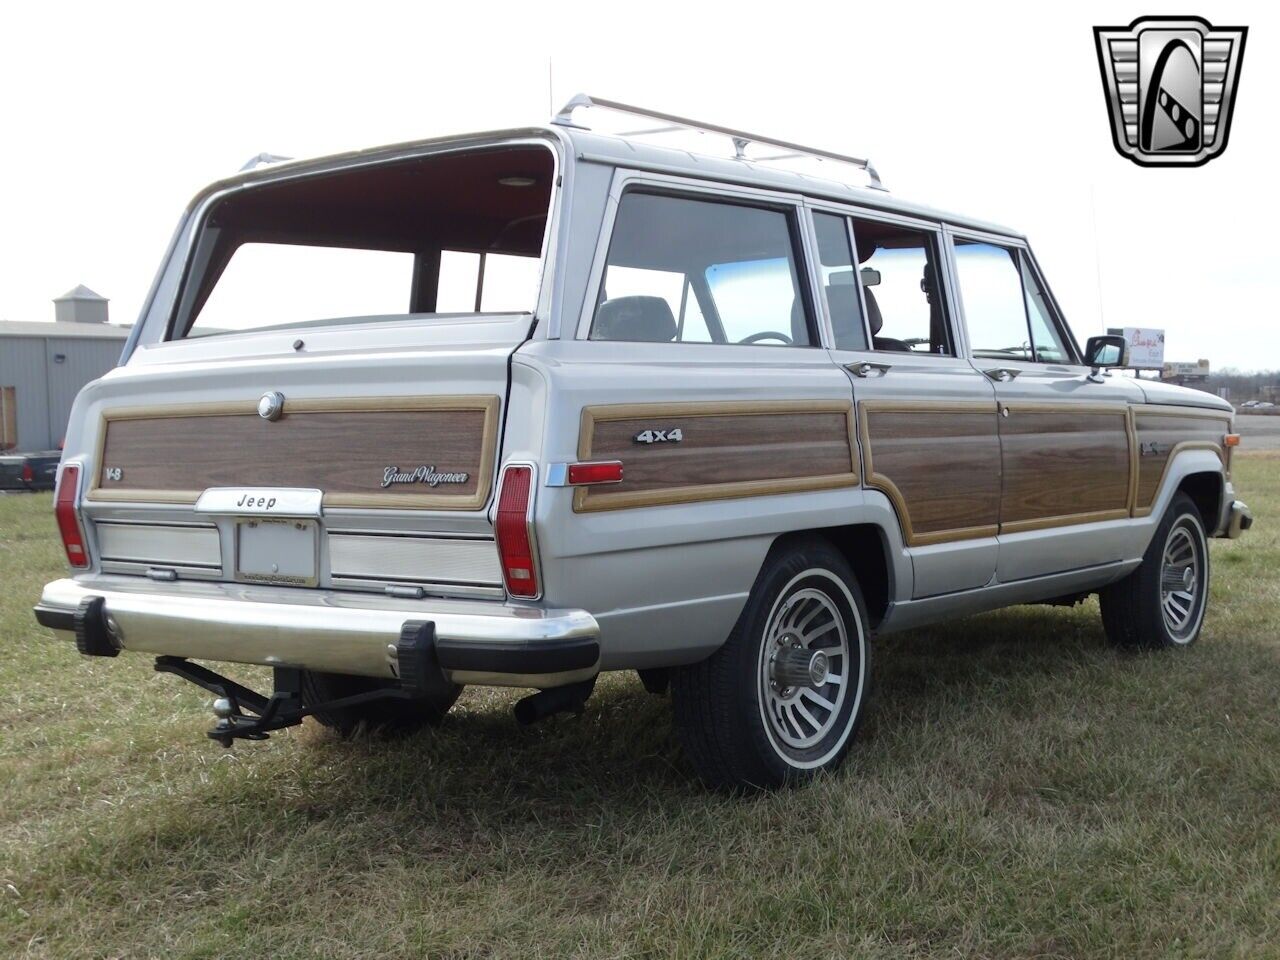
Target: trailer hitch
column 245, row 714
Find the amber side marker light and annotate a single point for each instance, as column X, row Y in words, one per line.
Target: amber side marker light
column 65, row 504
column 1231, row 440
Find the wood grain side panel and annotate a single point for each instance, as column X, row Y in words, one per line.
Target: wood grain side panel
column 1064, row 464
column 727, row 450
column 938, row 463
column 340, row 447
column 1172, row 431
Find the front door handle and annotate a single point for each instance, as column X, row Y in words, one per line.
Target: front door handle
column 1002, row 374
column 867, row 369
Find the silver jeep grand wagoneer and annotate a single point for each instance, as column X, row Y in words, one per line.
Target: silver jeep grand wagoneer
column 520, row 407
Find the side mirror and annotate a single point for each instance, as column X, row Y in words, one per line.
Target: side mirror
column 1105, row 351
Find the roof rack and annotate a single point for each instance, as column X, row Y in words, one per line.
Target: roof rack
column 740, row 139
column 263, row 159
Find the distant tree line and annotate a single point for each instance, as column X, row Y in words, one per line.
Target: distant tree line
column 1241, row 385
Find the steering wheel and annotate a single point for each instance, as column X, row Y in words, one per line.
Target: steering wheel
column 767, row 335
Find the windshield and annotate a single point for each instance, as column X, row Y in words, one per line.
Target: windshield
column 454, row 233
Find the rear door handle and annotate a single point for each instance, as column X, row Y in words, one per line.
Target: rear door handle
column 1002, row 374
column 867, row 369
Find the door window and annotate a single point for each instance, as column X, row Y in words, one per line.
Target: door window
column 995, row 308
column 1004, row 307
column 836, row 267
column 688, row 270
column 1046, row 339
column 898, row 270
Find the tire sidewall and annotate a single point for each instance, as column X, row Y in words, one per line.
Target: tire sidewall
column 1182, row 512
column 809, row 566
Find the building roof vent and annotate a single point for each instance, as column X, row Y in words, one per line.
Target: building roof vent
column 80, row 305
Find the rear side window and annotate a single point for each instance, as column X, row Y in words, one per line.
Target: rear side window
column 683, row 270
column 839, row 281
column 898, row 270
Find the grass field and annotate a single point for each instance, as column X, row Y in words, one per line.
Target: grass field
column 1020, row 790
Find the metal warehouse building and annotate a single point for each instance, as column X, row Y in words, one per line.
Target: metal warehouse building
column 44, row 365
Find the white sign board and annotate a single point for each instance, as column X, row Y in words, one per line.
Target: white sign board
column 1146, row 348
column 1177, row 369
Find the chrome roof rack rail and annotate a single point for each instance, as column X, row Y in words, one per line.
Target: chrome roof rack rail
column 740, row 139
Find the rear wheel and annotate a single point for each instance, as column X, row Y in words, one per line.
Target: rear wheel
column 783, row 698
column 1162, row 603
column 389, row 716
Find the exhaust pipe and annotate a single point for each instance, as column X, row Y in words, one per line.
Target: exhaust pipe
column 571, row 698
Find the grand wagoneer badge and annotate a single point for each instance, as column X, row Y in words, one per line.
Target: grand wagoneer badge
column 427, row 475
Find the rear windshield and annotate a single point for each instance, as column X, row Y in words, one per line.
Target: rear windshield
column 449, row 234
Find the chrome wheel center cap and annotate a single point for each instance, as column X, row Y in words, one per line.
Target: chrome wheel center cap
column 1188, row 578
column 819, row 669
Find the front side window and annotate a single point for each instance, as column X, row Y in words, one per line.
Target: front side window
column 898, row 270
column 687, row 270
column 1048, row 342
column 1004, row 308
column 995, row 309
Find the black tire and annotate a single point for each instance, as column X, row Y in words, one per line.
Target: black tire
column 1148, row 609
column 734, row 722
column 385, row 716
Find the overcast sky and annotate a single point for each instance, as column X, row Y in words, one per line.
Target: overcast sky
column 113, row 115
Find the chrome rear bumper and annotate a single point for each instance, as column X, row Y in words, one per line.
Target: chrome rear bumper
column 477, row 642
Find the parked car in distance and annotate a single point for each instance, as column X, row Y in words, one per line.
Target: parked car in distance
column 29, row 471
column 520, row 407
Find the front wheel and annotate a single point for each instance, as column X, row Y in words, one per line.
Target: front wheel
column 1162, row 603
column 783, row 698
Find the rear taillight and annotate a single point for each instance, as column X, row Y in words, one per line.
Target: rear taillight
column 28, row 475
column 514, row 531
column 65, row 509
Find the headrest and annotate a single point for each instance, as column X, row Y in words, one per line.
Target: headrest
column 874, row 320
column 928, row 281
column 642, row 319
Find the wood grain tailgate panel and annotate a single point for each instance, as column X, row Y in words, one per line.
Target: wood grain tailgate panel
column 342, row 447
column 728, row 450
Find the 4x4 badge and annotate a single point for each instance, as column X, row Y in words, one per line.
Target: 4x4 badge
column 1170, row 84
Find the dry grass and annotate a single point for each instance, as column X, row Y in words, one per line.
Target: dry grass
column 1022, row 790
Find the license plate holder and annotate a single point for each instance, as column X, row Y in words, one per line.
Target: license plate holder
column 277, row 550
